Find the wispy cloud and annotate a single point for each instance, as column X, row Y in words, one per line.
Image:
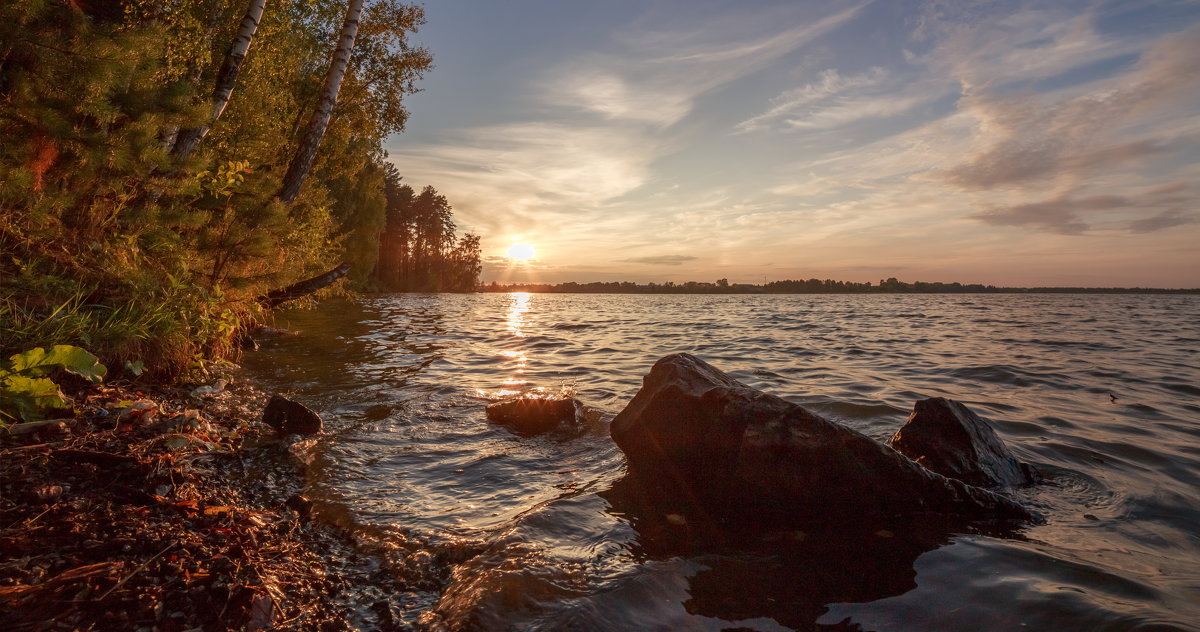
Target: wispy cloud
column 661, row 73
column 1083, row 132
column 507, row 177
column 660, row 260
column 829, row 85
column 1065, row 214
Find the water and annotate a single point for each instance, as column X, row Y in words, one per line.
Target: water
column 494, row 531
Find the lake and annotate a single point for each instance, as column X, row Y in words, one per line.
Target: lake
column 495, row 531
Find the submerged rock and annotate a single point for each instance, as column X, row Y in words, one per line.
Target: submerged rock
column 289, row 417
column 694, row 434
column 535, row 415
column 946, row 437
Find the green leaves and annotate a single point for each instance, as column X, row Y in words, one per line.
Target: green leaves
column 26, row 392
column 30, row 397
column 37, row 362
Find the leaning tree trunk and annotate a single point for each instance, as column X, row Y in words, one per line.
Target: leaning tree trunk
column 303, row 160
column 294, row 291
column 226, row 79
column 215, row 8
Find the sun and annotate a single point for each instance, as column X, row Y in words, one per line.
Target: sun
column 520, row 252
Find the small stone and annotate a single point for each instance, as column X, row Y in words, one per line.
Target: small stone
column 377, row 412
column 212, row 389
column 299, row 504
column 49, row 493
column 289, row 417
column 536, row 415
column 676, row 520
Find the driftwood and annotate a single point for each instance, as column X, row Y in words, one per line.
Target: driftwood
column 296, row 290
column 30, row 427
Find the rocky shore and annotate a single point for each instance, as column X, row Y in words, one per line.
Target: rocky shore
column 171, row 509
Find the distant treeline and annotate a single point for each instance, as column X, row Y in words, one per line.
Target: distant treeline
column 810, row 286
column 419, row 250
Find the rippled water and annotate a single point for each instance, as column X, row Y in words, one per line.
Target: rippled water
column 495, row 531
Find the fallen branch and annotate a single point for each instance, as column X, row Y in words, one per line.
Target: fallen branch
column 29, row 427
column 137, row 570
column 296, row 290
column 15, row 593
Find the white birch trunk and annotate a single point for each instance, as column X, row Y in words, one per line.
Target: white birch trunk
column 226, row 78
column 302, row 162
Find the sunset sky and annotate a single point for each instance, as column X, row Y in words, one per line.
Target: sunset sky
column 1039, row 143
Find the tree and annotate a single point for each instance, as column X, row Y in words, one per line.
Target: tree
column 418, row 250
column 226, row 79
column 302, row 162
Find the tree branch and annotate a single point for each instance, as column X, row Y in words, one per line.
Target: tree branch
column 294, row 291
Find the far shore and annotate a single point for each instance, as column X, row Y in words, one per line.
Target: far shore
column 811, row 286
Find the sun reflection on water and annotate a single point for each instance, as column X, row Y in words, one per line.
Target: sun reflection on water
column 516, row 321
column 517, row 311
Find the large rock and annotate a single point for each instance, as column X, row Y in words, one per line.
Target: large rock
column 694, row 433
column 536, row 415
column 289, row 417
column 946, row 437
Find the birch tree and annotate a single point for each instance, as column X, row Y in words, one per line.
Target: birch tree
column 226, row 79
column 302, row 162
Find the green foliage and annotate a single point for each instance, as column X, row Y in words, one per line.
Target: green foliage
column 110, row 243
column 38, row 362
column 25, row 391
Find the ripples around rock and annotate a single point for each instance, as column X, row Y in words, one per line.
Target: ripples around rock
column 532, row 533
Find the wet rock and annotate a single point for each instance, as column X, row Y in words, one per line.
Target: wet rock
column 377, row 412
column 946, row 437
column 299, row 504
column 289, row 417
column 533, row 415
column 248, row 343
column 696, row 434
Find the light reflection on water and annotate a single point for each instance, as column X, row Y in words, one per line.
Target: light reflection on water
column 1119, row 549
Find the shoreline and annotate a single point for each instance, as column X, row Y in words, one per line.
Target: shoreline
column 152, row 508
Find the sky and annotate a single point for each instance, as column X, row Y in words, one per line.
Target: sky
column 1050, row 143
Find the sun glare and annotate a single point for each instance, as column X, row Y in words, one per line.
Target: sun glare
column 520, row 252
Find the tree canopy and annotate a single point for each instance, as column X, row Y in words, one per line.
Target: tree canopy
column 111, row 240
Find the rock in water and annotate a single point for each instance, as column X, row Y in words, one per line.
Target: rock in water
column 289, row 417
column 534, row 415
column 693, row 432
column 946, row 437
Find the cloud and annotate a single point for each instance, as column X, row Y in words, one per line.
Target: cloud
column 660, row 260
column 510, row 178
column 829, row 85
column 1058, row 216
column 1086, row 132
column 661, row 73
column 981, row 44
column 1063, row 214
column 1160, row 221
